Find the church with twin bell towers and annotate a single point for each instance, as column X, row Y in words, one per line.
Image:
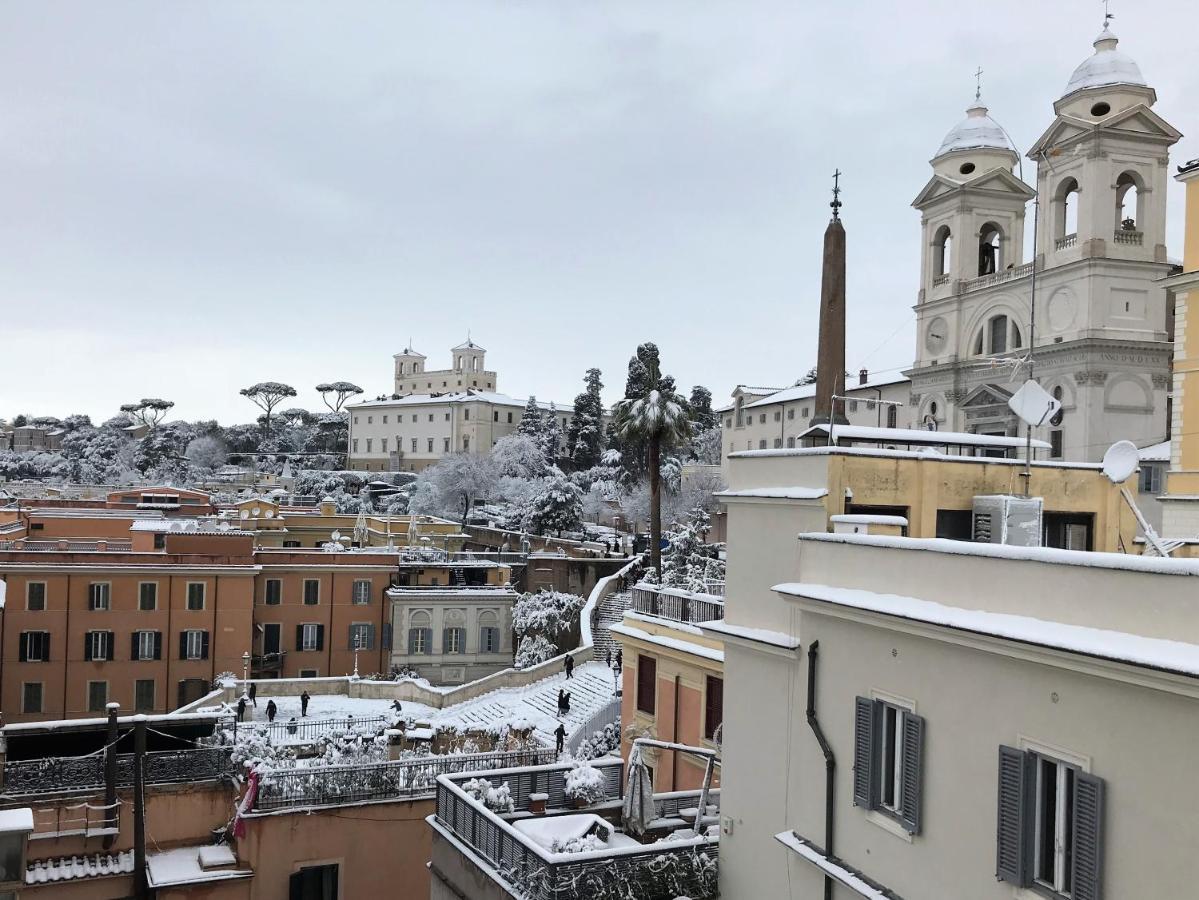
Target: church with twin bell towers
column 1103, row 333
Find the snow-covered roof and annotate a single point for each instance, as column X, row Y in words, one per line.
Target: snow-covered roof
column 921, row 436
column 1156, row 653
column 1156, row 452
column 70, row 868
column 408, row 351
column 668, row 643
column 468, row 396
column 978, row 131
column 901, row 521
column 775, row 493
column 723, row 629
column 468, row 345
column 186, row 526
column 192, row 865
column 20, row 819
column 1108, row 66
column 805, row 391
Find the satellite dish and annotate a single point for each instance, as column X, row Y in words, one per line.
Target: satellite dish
column 1033, row 404
column 1120, row 461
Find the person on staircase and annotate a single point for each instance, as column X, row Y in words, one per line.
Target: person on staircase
column 569, row 665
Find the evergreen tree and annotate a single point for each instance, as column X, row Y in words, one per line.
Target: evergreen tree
column 585, row 438
column 558, row 506
column 702, row 416
column 551, row 436
column 531, row 422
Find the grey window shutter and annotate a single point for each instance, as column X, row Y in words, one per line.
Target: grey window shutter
column 133, row 654
column 1087, row 868
column 299, row 637
column 370, row 636
column 863, row 753
column 203, row 645
column 1012, row 842
column 911, row 786
column 183, row 645
column 158, row 645
column 45, row 646
column 320, row 637
column 387, row 636
column 87, row 646
column 23, row 647
column 110, row 647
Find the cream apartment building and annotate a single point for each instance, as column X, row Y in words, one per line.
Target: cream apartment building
column 768, row 419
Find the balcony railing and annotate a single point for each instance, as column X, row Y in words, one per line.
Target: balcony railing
column 1132, row 238
column 406, row 778
column 267, row 662
column 1065, row 243
column 680, row 606
column 657, row 871
column 997, row 277
column 939, row 280
column 117, row 546
column 68, row 773
column 304, row 731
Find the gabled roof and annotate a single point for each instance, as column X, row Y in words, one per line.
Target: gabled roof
column 1066, row 130
column 408, row 351
column 987, row 395
column 995, row 181
column 468, row 345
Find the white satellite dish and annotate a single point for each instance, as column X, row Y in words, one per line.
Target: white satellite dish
column 1120, row 461
column 1033, row 404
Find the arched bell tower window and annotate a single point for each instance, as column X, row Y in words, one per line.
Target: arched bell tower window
column 1128, row 202
column 990, row 244
column 942, row 252
column 998, row 335
column 1065, row 203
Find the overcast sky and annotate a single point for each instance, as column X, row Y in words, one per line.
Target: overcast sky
column 200, row 196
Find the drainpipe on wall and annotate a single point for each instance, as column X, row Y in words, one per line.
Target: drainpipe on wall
column 139, row 808
column 830, row 763
column 674, row 736
column 110, row 775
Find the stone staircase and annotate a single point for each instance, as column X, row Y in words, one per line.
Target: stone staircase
column 609, row 611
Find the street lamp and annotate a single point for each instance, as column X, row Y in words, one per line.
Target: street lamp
column 245, row 667
column 357, row 644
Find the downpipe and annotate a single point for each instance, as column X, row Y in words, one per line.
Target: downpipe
column 830, row 762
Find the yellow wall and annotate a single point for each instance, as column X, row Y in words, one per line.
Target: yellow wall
column 1184, row 471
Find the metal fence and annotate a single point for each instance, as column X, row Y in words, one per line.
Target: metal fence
column 660, row 871
column 403, row 778
column 608, row 714
column 680, row 606
column 303, row 730
column 69, row 773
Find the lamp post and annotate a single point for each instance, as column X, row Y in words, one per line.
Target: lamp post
column 357, row 644
column 245, row 668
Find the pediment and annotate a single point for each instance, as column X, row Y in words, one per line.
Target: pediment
column 987, row 395
column 938, row 186
column 1142, row 121
column 1065, row 130
column 1137, row 121
column 1001, row 181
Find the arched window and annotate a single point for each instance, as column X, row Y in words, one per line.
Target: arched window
column 1128, row 202
column 990, row 246
column 1017, row 338
column 998, row 337
column 978, row 343
column 892, row 416
column 942, row 251
column 1065, row 204
column 489, row 632
column 420, row 633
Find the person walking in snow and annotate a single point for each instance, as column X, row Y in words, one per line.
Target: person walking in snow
column 254, row 694
column 566, row 702
column 304, row 698
column 619, row 659
column 395, row 705
column 570, row 666
column 559, row 738
column 271, row 710
column 609, row 657
column 561, row 701
column 241, row 708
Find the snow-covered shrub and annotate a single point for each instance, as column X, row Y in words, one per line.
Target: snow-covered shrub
column 585, row 783
column 534, row 650
column 581, row 844
column 557, row 505
column 690, row 562
column 600, row 743
column 497, row 799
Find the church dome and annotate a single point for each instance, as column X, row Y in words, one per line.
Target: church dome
column 1107, row 67
column 978, row 131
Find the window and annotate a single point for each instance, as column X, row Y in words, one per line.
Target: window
column 990, row 244
column 362, row 636
column 355, row 420
column 414, row 417
column 778, row 415
column 942, row 252
column 273, row 592
column 147, row 596
column 429, row 449
column 414, row 445
column 791, row 443
column 509, row 418
column 420, row 635
column 453, row 640
column 778, row 442
column 1065, row 214
column 312, row 592
column 647, row 683
column 804, row 413
column 998, row 340
column 447, row 415
column 1151, row 479
column 34, row 646
column 1050, row 831
column 370, row 420
column 361, row 593
column 143, row 695
column 446, row 447
column 761, row 418
column 497, row 416
column 1128, row 202
column 355, row 445
column 385, row 422
column 310, row 673
column 98, row 595
column 762, row 444
column 147, row 645
column 1055, row 445
column 310, row 637
column 97, row 646
column 31, row 697
column 489, row 639
column 791, row 413
column 195, row 595
column 369, row 443
column 888, row 743
column 314, row 883
column 466, row 415
column 892, row 416
column 383, row 445
column 97, row 696
column 713, row 706
column 466, row 443
column 35, row 596
column 193, row 644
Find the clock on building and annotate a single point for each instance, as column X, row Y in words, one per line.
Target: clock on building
column 936, row 335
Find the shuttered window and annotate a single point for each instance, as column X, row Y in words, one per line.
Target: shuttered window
column 362, row 636
column 146, row 645
column 310, row 637
column 362, row 592
column 97, row 646
column 193, row 644
column 1049, row 833
column 887, row 771
column 453, row 640
column 35, row 596
column 647, row 682
column 34, row 646
column 713, row 706
column 420, row 640
column 312, row 592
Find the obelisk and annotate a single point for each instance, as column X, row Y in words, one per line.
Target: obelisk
column 830, row 357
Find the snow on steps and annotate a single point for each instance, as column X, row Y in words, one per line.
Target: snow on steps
column 611, row 610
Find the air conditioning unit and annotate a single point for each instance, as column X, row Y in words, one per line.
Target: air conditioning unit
column 1007, row 519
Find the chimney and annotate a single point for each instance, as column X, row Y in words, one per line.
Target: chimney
column 830, row 358
column 863, row 376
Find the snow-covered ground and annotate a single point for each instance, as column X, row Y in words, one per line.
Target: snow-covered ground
column 335, row 706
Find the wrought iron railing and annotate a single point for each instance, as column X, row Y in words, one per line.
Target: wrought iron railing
column 69, row 773
column 680, row 606
column 658, row 871
column 65, row 546
column 417, row 777
column 303, row 730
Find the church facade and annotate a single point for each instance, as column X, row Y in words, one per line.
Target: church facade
column 1103, row 337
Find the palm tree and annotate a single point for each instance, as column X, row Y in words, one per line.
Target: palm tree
column 654, row 416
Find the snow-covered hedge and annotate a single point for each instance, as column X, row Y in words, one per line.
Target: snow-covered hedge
column 582, row 844
column 543, row 622
column 497, row 799
column 600, row 743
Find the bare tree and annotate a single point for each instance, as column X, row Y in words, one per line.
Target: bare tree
column 149, row 410
column 341, row 391
column 266, row 395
